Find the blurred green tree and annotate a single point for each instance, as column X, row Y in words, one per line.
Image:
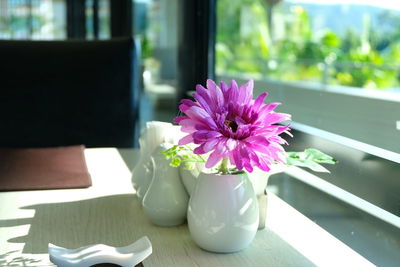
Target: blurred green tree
column 244, row 45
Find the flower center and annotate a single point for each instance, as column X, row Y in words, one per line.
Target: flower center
column 231, row 124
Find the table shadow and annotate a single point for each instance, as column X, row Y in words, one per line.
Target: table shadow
column 130, row 156
column 118, row 220
column 72, row 224
column 13, row 258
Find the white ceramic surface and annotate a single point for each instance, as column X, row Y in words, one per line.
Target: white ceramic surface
column 128, row 256
column 189, row 177
column 259, row 178
column 136, row 172
column 223, row 212
column 142, row 176
column 166, row 200
column 154, row 134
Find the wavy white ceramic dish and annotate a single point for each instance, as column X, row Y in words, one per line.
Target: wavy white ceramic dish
column 128, row 256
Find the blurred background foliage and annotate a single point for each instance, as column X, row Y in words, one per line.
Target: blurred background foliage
column 275, row 39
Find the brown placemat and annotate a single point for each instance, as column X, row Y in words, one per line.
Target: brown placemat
column 43, row 168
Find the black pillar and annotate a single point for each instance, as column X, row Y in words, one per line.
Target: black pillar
column 96, row 19
column 76, row 19
column 121, row 18
column 196, row 44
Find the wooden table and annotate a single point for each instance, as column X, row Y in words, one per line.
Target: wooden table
column 109, row 213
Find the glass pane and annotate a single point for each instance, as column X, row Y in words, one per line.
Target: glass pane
column 156, row 26
column 89, row 19
column 375, row 240
column 32, row 19
column 16, row 19
column 104, row 19
column 158, row 30
column 341, row 43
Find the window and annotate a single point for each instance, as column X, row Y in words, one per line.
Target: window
column 97, row 12
column 32, row 19
column 296, row 40
column 156, row 26
column 339, row 75
column 47, row 19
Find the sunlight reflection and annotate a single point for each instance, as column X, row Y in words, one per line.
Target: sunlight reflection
column 238, row 186
column 303, row 235
column 273, row 189
column 245, row 206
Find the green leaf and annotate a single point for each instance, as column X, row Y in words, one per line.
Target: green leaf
column 306, row 163
column 182, row 155
column 310, row 158
column 176, row 162
column 189, row 166
column 319, row 157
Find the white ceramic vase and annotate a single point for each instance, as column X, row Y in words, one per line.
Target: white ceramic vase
column 223, row 212
column 166, row 200
column 155, row 133
column 189, row 177
column 260, row 178
column 142, row 175
column 135, row 177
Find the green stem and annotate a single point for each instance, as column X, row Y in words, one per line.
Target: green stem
column 197, row 155
column 223, row 168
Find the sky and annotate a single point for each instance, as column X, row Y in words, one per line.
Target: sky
column 392, row 4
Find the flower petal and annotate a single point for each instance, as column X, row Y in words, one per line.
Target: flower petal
column 264, row 164
column 203, row 103
column 203, row 92
column 205, row 135
column 233, row 94
column 180, row 118
column 199, row 149
column 224, row 88
column 246, row 92
column 188, row 125
column 258, row 140
column 213, row 159
column 216, row 94
column 269, row 107
column 210, row 145
column 259, row 101
column 186, row 140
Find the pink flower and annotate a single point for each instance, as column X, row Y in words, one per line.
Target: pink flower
column 228, row 122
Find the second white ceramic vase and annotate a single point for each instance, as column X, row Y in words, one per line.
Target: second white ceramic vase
column 189, row 177
column 155, row 133
column 166, row 200
column 223, row 212
column 141, row 176
column 142, row 173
